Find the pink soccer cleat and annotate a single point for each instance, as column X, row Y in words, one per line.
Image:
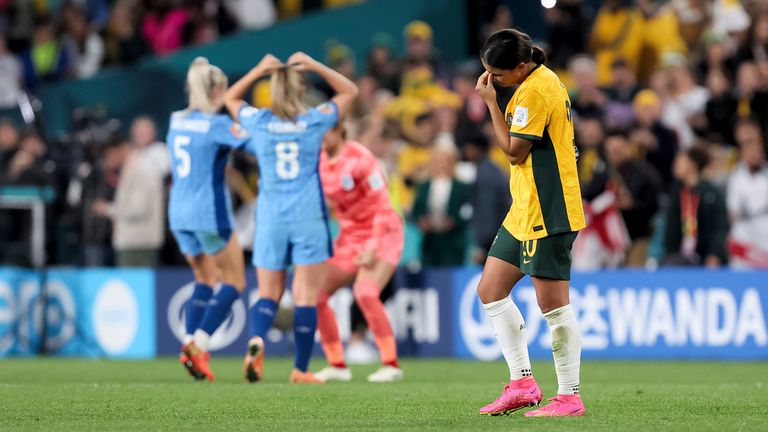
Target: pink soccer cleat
column 521, row 393
column 560, row 406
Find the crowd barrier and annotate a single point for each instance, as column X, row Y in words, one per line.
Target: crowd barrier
column 624, row 314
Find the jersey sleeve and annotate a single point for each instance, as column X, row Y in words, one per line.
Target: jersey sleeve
column 327, row 114
column 229, row 134
column 529, row 116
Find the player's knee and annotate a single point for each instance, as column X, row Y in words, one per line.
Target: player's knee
column 322, row 298
column 487, row 292
column 366, row 291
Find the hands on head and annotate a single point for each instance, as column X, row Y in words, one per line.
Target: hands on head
column 299, row 61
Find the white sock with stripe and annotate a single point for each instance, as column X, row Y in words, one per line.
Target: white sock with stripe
column 566, row 348
column 507, row 322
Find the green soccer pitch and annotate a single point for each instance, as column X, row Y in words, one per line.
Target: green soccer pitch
column 96, row 395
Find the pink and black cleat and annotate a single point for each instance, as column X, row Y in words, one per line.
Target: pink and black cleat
column 518, row 394
column 560, row 406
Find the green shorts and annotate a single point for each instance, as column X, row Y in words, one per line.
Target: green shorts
column 548, row 258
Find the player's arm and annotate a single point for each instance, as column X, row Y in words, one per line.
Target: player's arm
column 233, row 98
column 375, row 184
column 346, row 90
column 515, row 147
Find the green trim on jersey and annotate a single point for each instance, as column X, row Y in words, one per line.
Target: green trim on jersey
column 525, row 136
column 546, row 175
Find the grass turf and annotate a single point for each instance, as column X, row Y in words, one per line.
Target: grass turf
column 75, row 394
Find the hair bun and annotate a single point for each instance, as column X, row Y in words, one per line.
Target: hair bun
column 538, row 55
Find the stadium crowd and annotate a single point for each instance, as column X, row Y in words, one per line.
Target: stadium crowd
column 670, row 100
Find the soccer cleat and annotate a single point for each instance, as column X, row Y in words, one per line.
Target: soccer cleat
column 560, row 406
column 386, row 374
column 196, row 361
column 254, row 360
column 518, row 394
column 299, row 377
column 187, row 363
column 332, row 373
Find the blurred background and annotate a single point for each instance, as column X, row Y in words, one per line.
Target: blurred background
column 670, row 100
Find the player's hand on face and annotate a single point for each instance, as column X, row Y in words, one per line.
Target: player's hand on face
column 485, row 88
column 365, row 259
column 301, row 61
column 269, row 63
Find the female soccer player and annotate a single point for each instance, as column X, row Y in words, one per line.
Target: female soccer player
column 367, row 251
column 536, row 134
column 199, row 209
column 291, row 220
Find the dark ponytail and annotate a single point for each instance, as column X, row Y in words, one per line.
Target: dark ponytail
column 506, row 49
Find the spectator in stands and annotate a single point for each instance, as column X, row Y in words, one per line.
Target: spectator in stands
column 99, row 188
column 756, row 46
column 635, row 186
column 620, row 94
column 207, row 20
column 163, row 25
column 697, row 218
column 655, row 142
column 473, row 113
column 413, row 159
column 751, row 93
column 420, row 50
column 9, row 142
column 381, row 63
column 123, row 43
column 747, row 200
column 587, row 98
column 567, row 32
column 660, row 36
column 590, row 135
column 720, row 109
column 85, row 47
column 490, row 198
column 45, row 59
column 747, row 131
column 253, row 14
column 10, row 76
column 689, row 98
column 616, row 34
column 137, row 212
column 154, row 152
column 30, row 165
column 442, row 211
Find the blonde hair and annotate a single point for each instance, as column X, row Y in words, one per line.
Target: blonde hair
column 202, row 78
column 287, row 89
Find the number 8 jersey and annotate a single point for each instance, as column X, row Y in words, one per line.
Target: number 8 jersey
column 199, row 144
column 288, row 154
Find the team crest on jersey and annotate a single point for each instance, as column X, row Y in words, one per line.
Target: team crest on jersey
column 237, row 130
column 521, row 116
column 347, row 183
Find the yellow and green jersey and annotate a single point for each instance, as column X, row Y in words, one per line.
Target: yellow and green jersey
column 546, row 198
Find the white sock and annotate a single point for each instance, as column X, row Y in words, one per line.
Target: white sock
column 566, row 348
column 201, row 339
column 188, row 338
column 509, row 326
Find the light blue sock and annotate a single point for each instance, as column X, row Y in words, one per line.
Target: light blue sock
column 304, row 326
column 218, row 308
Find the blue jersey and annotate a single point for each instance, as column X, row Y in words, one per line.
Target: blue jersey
column 288, row 154
column 200, row 144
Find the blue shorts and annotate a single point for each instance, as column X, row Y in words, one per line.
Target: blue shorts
column 194, row 243
column 277, row 246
